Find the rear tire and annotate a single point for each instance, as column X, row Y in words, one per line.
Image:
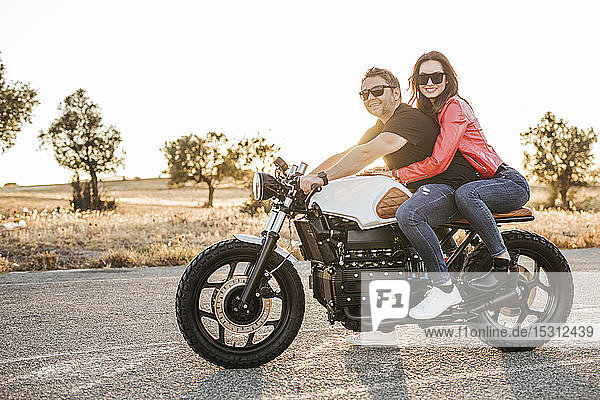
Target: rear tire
column 194, row 321
column 538, row 259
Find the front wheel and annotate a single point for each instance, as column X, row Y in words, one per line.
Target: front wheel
column 545, row 284
column 223, row 333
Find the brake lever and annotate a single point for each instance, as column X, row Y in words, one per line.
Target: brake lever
column 313, row 189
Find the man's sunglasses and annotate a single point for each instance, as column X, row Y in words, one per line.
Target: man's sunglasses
column 375, row 90
column 436, row 78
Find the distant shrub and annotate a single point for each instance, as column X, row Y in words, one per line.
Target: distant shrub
column 5, row 265
column 10, row 184
column 44, row 261
column 153, row 255
column 254, row 207
column 157, row 254
column 121, row 258
column 83, row 199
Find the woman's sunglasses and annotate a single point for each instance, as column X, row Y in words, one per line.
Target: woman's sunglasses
column 436, row 78
column 375, row 90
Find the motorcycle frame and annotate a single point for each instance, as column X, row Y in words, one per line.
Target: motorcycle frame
column 283, row 209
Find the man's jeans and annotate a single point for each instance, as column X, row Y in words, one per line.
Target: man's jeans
column 506, row 191
column 430, row 206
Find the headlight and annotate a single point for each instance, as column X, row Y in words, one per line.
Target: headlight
column 264, row 186
column 257, row 186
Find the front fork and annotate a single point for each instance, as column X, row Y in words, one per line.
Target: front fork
column 271, row 235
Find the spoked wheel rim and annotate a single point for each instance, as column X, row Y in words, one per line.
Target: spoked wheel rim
column 524, row 274
column 538, row 294
column 217, row 319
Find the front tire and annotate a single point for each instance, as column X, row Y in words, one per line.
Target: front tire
column 204, row 306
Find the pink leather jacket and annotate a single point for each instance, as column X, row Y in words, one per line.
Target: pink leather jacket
column 459, row 130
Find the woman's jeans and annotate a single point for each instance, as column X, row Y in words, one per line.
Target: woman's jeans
column 506, row 191
column 430, row 206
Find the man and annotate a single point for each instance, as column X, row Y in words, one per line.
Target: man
column 381, row 95
column 402, row 136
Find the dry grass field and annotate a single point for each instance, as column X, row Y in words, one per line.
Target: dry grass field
column 583, row 198
column 158, row 225
column 153, row 225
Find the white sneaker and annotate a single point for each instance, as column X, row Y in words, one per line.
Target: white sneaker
column 434, row 303
column 374, row 338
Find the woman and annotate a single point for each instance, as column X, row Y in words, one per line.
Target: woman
column 434, row 87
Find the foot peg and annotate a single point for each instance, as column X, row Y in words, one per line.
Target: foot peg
column 497, row 277
column 491, row 281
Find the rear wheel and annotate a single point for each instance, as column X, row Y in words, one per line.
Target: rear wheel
column 545, row 284
column 218, row 329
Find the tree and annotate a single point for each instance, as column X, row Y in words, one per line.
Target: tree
column 82, row 143
column 248, row 156
column 559, row 155
column 17, row 100
column 209, row 160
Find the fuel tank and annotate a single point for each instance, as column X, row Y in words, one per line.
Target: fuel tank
column 371, row 201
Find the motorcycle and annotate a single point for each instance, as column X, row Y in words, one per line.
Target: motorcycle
column 240, row 302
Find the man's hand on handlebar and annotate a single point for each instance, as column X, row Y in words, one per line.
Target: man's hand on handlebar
column 307, row 181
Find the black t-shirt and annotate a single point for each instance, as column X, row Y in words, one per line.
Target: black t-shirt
column 420, row 131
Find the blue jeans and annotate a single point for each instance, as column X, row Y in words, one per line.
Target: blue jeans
column 430, row 206
column 506, row 191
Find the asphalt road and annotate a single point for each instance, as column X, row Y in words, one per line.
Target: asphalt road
column 113, row 334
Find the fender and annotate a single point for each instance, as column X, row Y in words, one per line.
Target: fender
column 256, row 240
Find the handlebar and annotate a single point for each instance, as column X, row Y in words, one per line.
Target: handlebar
column 313, row 189
column 290, row 177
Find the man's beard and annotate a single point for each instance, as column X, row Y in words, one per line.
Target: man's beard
column 387, row 110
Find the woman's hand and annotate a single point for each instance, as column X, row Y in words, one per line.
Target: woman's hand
column 377, row 171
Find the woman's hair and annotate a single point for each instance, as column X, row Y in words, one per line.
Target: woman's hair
column 433, row 106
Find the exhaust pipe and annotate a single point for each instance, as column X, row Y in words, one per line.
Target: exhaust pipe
column 503, row 300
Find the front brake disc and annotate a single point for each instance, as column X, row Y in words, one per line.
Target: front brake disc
column 243, row 321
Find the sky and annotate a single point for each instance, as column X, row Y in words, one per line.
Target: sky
column 289, row 70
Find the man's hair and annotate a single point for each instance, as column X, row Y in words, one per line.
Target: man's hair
column 387, row 76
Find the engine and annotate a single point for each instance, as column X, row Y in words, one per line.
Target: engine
column 401, row 260
column 345, row 258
